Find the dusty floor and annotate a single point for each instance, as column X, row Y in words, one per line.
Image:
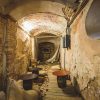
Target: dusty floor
column 54, row 92
column 49, row 89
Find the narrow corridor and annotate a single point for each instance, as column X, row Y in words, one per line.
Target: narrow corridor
column 35, row 35
column 56, row 93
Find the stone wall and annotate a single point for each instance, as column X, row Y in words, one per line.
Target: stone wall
column 23, row 51
column 15, row 50
column 10, row 45
column 83, row 59
column 7, row 48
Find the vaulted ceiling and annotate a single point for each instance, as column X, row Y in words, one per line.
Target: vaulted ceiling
column 20, row 8
column 8, row 2
column 43, row 22
column 47, row 15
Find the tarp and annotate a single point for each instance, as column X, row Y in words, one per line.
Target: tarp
column 55, row 57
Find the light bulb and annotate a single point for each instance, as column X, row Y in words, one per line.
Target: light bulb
column 27, row 26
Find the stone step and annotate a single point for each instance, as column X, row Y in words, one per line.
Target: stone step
column 60, row 90
column 56, row 86
column 61, row 98
column 54, row 92
column 60, row 94
column 53, row 80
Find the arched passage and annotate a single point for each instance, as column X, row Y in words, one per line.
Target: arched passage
column 45, row 27
column 45, row 51
column 47, row 16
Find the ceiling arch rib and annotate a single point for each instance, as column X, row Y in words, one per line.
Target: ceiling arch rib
column 40, row 31
column 44, row 22
column 45, row 34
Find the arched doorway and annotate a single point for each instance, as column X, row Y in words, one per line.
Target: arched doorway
column 45, row 51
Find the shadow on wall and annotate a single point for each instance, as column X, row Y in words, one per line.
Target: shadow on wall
column 0, row 82
column 76, row 87
column 93, row 20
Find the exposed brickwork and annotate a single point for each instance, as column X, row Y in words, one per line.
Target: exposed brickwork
column 11, row 45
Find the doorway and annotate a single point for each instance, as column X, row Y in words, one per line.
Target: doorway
column 45, row 51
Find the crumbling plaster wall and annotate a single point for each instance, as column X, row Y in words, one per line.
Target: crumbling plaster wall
column 83, row 59
column 23, row 51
